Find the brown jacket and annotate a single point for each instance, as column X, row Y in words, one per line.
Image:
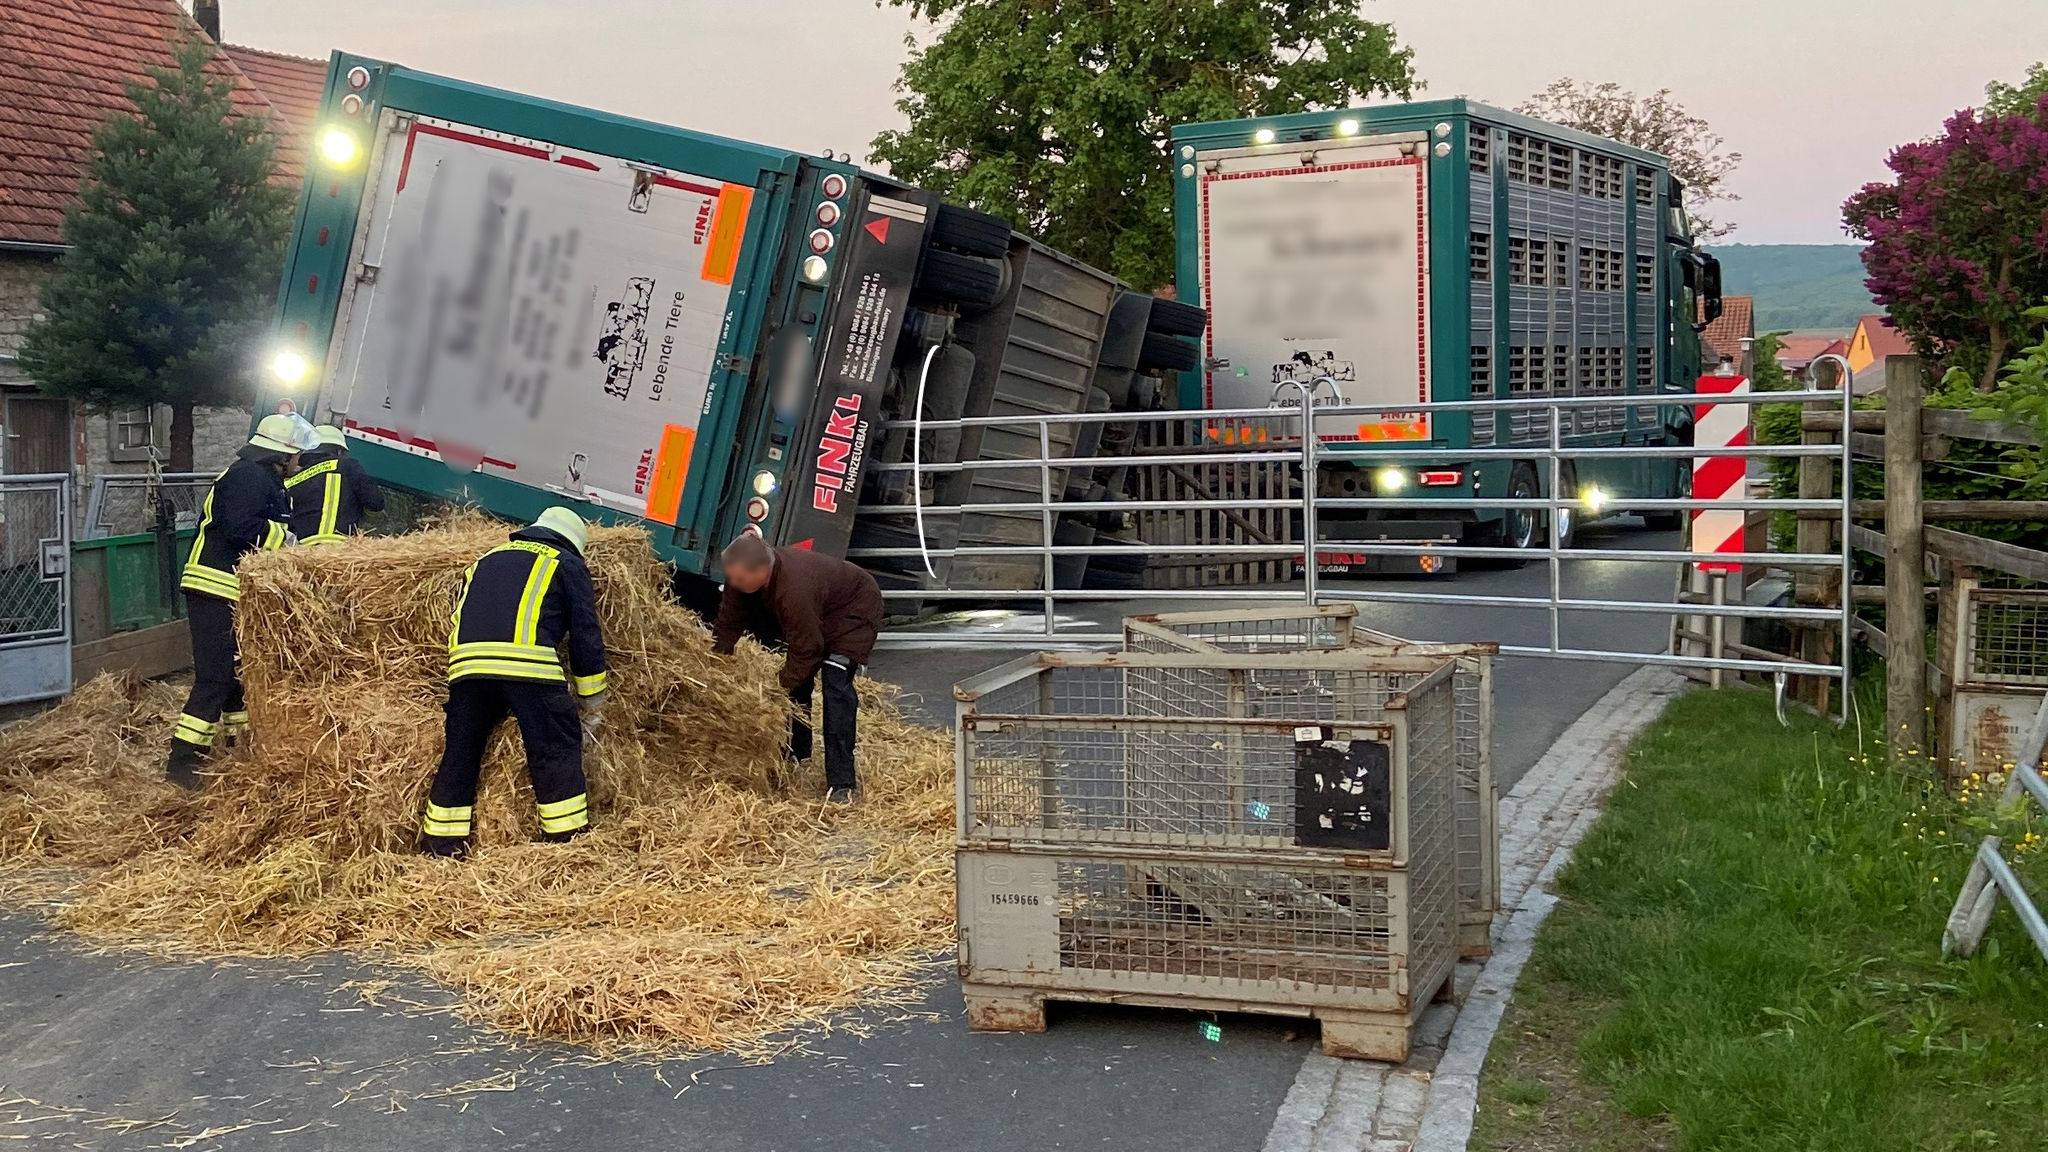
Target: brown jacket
column 813, row 604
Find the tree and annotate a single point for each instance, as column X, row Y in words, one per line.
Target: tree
column 1656, row 122
column 1958, row 242
column 1056, row 115
column 176, row 240
column 2002, row 99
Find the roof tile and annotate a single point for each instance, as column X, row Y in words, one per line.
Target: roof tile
column 64, row 65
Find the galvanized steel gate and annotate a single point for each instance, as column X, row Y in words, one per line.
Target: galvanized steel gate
column 35, row 587
column 1218, row 445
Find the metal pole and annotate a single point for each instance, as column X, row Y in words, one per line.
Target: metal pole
column 1845, row 650
column 1718, row 629
column 1309, row 478
column 1556, row 514
column 1045, row 513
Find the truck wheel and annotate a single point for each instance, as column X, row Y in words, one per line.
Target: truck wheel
column 1565, row 520
column 1672, row 521
column 1520, row 527
column 968, row 280
column 1170, row 353
column 971, row 232
column 1177, row 319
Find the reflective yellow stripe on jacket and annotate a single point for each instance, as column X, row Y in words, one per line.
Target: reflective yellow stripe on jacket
column 199, row 577
column 330, row 500
column 521, row 658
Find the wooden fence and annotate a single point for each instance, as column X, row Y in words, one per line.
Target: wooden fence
column 1988, row 640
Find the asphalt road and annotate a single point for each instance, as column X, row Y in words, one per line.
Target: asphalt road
column 126, row 1053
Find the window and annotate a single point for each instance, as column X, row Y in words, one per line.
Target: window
column 1518, row 157
column 1482, row 256
column 133, row 433
column 1479, row 148
column 1482, row 370
column 1646, row 273
column 1646, row 186
column 1561, row 167
column 1599, row 270
column 1518, row 260
column 1600, row 177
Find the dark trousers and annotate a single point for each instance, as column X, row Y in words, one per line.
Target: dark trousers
column 214, row 707
column 842, row 709
column 553, row 734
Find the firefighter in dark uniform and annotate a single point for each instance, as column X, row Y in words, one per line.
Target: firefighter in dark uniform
column 825, row 614
column 245, row 510
column 330, row 491
column 519, row 602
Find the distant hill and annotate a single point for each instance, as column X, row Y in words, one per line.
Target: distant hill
column 1798, row 285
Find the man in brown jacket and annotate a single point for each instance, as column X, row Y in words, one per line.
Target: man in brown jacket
column 824, row 613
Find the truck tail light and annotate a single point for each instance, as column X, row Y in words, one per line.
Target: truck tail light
column 821, row 241
column 1440, row 478
column 834, row 186
column 828, row 214
column 757, row 509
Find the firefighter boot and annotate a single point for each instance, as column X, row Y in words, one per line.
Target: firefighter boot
column 184, row 764
column 446, row 847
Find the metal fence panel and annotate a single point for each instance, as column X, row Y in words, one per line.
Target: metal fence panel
column 35, row 587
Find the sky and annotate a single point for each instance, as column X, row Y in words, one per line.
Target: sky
column 1813, row 93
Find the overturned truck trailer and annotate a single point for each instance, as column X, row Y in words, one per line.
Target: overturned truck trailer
column 510, row 302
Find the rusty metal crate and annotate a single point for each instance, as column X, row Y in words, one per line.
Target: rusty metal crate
column 1175, row 829
column 1332, row 626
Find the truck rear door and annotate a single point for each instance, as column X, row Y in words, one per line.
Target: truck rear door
column 1314, row 266
column 538, row 313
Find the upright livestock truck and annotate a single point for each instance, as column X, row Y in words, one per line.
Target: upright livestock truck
column 512, row 302
column 1445, row 251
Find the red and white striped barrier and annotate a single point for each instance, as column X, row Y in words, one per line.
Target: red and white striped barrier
column 1720, row 477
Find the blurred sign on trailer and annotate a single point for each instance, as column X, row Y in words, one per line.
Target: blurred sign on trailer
column 1720, row 477
column 1315, row 267
column 538, row 313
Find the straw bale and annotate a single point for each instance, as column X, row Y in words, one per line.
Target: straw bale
column 714, row 903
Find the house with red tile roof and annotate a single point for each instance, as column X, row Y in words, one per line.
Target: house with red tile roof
column 64, row 65
column 1796, row 353
column 1731, row 333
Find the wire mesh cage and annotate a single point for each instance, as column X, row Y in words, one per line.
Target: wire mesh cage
column 1335, row 626
column 2007, row 638
column 1199, row 827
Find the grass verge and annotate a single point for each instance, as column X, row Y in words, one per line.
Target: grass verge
column 1748, row 956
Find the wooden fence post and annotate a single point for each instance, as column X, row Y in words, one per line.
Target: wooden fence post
column 1905, row 609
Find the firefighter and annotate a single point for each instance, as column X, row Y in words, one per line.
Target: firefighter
column 825, row 613
column 245, row 510
column 330, row 491
column 519, row 602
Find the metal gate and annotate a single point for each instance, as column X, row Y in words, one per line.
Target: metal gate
column 1265, row 439
column 35, row 586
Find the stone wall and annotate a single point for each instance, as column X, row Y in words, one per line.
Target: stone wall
column 216, row 432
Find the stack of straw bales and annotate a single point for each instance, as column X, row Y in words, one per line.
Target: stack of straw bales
column 713, row 904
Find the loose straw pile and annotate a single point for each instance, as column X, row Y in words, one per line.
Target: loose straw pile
column 714, row 904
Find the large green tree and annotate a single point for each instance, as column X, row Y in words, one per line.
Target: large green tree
column 1055, row 115
column 175, row 240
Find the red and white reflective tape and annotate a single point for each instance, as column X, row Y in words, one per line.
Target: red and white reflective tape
column 1720, row 477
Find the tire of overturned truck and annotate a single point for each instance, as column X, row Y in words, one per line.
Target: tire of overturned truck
column 968, row 280
column 1174, row 318
column 1170, row 353
column 971, row 232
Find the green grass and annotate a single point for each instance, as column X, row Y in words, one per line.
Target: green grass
column 1747, row 956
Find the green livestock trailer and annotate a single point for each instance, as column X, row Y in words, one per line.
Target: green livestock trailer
column 1445, row 251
